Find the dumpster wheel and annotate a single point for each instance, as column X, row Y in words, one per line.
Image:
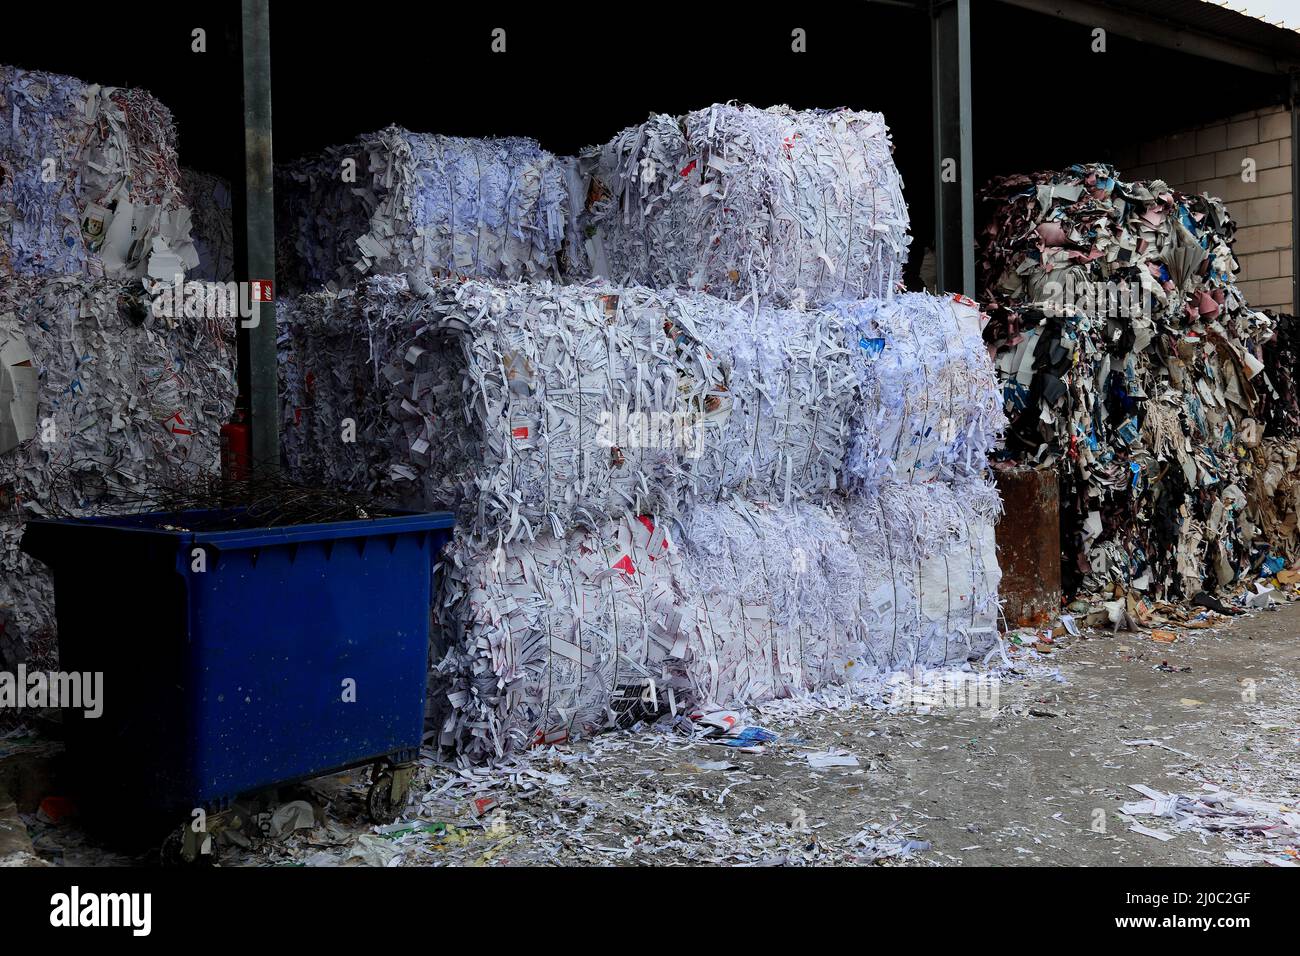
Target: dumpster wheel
column 184, row 847
column 379, row 801
column 389, row 791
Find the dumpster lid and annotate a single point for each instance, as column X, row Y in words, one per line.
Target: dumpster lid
column 205, row 527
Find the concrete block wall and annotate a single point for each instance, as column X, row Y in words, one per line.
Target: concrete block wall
column 1209, row 159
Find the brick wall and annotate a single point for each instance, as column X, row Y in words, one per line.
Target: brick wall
column 1208, row 159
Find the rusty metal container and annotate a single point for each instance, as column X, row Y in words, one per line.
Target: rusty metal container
column 1029, row 546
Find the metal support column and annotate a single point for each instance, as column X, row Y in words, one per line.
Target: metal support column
column 256, row 264
column 954, row 191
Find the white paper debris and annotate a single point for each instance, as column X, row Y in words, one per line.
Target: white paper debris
column 1251, row 821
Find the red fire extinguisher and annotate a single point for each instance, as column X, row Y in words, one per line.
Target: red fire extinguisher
column 236, row 448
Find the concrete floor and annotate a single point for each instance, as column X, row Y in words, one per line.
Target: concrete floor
column 1026, row 786
column 1038, row 783
column 1032, row 785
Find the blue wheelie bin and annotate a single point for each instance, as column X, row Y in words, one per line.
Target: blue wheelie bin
column 241, row 659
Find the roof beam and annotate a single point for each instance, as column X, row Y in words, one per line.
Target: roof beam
column 1145, row 29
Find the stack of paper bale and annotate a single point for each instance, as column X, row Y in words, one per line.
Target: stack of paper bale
column 776, row 204
column 420, row 204
column 740, row 466
column 99, row 396
column 642, row 503
column 1131, row 363
column 89, row 182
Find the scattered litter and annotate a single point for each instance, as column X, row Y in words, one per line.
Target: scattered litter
column 1157, row 834
column 1157, row 743
column 1214, row 810
column 831, row 758
column 748, row 739
column 291, row 816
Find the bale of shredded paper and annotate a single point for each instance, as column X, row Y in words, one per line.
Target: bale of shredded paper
column 762, row 619
column 533, row 406
column 930, row 404
column 790, row 599
column 89, row 182
column 548, row 407
column 429, row 205
column 738, row 603
column 125, row 400
column 930, row 569
column 540, row 635
column 787, row 206
column 213, row 232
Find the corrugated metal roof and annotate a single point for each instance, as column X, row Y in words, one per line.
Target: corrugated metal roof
column 1242, row 7
column 1218, row 21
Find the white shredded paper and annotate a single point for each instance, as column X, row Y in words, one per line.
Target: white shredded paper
column 89, row 181
column 541, row 407
column 125, row 400
column 930, row 404
column 780, row 205
column 553, row 638
column 422, row 204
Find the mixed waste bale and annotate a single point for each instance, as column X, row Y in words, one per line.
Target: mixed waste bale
column 1131, row 363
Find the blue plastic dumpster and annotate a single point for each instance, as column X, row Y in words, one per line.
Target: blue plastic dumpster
column 238, row 660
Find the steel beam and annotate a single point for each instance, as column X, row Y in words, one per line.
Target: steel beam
column 258, row 371
column 954, row 171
